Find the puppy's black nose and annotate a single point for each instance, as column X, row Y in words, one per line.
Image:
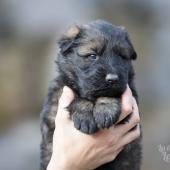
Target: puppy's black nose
column 112, row 78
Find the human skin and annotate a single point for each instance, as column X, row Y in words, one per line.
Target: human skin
column 74, row 150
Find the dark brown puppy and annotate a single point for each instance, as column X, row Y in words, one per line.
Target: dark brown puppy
column 95, row 61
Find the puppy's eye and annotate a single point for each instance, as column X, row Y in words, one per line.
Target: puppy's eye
column 92, row 56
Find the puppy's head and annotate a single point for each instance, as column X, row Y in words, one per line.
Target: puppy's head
column 95, row 59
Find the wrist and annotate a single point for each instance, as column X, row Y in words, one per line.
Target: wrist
column 56, row 164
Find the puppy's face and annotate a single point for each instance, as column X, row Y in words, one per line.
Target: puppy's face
column 95, row 59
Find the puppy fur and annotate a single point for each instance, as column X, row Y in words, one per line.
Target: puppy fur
column 95, row 61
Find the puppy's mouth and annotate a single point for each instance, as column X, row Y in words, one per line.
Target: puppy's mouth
column 115, row 91
column 103, row 90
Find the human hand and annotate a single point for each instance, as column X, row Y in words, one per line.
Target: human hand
column 74, row 150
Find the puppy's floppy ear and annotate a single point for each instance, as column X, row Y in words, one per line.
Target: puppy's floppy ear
column 134, row 55
column 124, row 46
column 132, row 52
column 67, row 41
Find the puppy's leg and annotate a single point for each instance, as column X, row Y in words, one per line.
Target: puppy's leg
column 48, row 123
column 82, row 115
column 46, row 145
column 106, row 111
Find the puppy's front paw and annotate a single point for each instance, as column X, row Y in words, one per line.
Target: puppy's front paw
column 85, row 124
column 82, row 116
column 106, row 111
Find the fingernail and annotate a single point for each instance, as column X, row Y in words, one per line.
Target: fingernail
column 66, row 89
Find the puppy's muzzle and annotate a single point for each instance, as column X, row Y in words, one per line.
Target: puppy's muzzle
column 112, row 79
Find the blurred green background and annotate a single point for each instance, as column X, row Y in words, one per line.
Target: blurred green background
column 28, row 34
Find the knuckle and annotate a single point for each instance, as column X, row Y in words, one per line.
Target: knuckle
column 110, row 143
column 128, row 109
column 113, row 157
column 114, row 140
column 136, row 119
column 108, row 158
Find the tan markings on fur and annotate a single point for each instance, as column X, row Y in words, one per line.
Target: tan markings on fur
column 73, row 31
column 86, row 105
column 92, row 46
column 54, row 109
column 105, row 100
column 70, row 75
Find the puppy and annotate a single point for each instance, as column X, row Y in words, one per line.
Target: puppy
column 95, row 61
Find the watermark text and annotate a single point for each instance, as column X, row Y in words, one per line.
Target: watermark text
column 165, row 152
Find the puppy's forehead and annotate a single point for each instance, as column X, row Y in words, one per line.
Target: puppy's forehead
column 92, row 40
column 100, row 34
column 94, row 45
column 107, row 29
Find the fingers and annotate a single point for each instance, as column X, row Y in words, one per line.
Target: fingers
column 130, row 136
column 66, row 98
column 133, row 121
column 127, row 103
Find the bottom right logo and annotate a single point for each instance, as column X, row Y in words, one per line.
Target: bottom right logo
column 165, row 152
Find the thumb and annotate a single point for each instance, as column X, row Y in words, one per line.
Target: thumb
column 66, row 98
column 127, row 103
